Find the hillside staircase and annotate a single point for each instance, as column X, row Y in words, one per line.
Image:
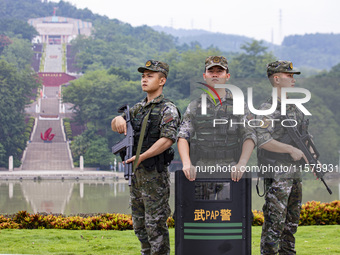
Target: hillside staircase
column 55, row 154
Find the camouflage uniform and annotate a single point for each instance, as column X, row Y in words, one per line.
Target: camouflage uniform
column 190, row 124
column 187, row 127
column 224, row 142
column 284, row 189
column 150, row 190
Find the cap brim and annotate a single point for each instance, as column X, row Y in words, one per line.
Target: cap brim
column 142, row 69
column 209, row 66
column 293, row 72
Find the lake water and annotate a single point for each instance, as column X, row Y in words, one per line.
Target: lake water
column 96, row 196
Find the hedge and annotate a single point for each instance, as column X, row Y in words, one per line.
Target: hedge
column 316, row 213
column 67, row 128
column 25, row 220
column 312, row 213
column 29, row 128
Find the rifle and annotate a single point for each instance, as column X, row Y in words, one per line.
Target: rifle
column 304, row 143
column 125, row 146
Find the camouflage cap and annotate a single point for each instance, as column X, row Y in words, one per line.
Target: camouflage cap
column 216, row 61
column 281, row 66
column 156, row 66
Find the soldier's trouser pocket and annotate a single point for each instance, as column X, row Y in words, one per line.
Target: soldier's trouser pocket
column 150, row 209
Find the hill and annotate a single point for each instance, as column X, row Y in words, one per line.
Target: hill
column 321, row 51
column 24, row 10
column 225, row 42
column 317, row 51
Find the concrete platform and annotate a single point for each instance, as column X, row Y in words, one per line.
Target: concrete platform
column 60, row 175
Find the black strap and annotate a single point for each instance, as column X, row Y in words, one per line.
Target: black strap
column 257, row 187
column 141, row 137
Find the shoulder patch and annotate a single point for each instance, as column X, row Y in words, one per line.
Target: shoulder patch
column 168, row 117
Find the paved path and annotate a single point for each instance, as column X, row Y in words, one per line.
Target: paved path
column 53, row 59
column 47, row 156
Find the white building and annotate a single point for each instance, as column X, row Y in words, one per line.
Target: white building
column 57, row 30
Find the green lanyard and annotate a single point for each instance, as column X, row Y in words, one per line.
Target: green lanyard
column 141, row 137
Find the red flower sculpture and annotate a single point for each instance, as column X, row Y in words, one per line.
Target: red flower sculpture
column 47, row 136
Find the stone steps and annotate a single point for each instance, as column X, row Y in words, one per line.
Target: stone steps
column 47, row 156
column 43, row 125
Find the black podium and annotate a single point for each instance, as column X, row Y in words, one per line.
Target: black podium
column 212, row 216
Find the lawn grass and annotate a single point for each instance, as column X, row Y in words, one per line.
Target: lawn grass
column 310, row 240
column 316, row 240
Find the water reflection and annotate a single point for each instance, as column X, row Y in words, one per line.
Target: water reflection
column 47, row 196
column 66, row 197
column 95, row 196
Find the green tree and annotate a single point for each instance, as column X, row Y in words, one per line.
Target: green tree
column 117, row 44
column 79, row 145
column 4, row 42
column 252, row 63
column 15, row 89
column 94, row 148
column 18, row 53
column 327, row 87
column 324, row 106
column 98, row 154
column 186, row 69
column 17, row 28
column 96, row 97
column 324, row 129
column 24, row 10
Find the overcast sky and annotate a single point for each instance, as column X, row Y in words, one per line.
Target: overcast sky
column 259, row 19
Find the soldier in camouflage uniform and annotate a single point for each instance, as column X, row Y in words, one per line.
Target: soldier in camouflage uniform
column 283, row 184
column 199, row 143
column 150, row 185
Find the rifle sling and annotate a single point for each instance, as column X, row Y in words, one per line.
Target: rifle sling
column 141, row 137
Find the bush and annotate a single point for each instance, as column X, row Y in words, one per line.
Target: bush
column 67, row 128
column 170, row 222
column 29, row 128
column 258, row 218
column 316, row 213
column 25, row 220
column 27, row 136
column 312, row 213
